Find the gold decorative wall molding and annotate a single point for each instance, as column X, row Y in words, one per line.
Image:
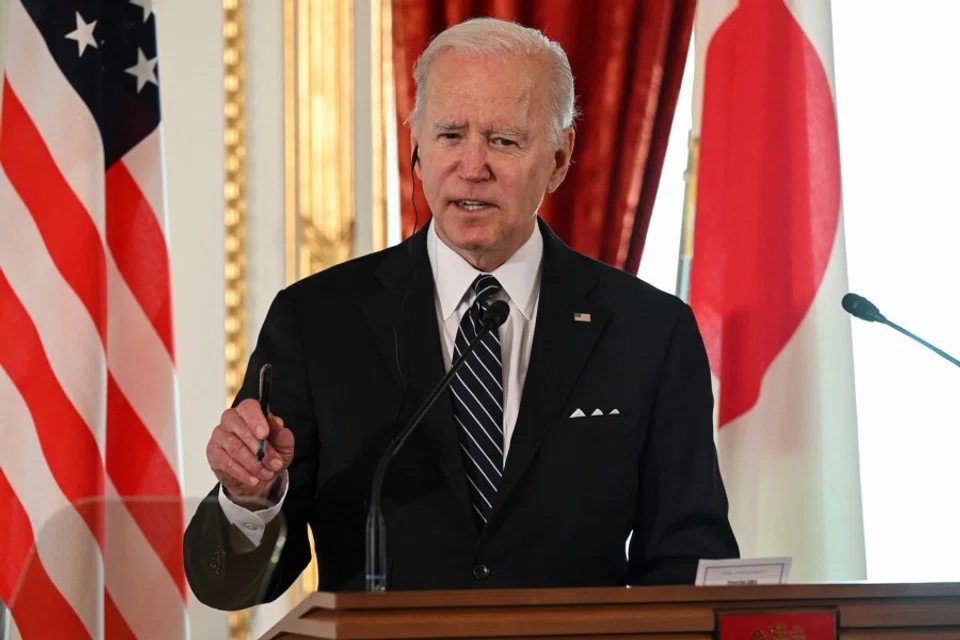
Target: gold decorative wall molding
column 234, row 192
column 319, row 134
column 234, row 222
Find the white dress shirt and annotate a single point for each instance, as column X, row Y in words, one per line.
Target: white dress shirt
column 453, row 276
column 519, row 278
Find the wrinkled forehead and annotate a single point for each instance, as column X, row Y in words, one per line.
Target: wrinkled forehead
column 461, row 87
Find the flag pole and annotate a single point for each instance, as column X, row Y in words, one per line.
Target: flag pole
column 4, row 623
column 689, row 213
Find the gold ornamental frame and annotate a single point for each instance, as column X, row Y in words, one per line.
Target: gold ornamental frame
column 234, row 195
column 318, row 134
column 319, row 124
column 235, row 223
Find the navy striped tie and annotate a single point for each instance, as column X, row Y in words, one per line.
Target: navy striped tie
column 478, row 402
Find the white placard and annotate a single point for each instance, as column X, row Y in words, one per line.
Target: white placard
column 743, row 571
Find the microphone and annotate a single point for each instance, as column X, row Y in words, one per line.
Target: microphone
column 495, row 315
column 860, row 307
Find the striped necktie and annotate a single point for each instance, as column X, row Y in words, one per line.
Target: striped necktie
column 478, row 402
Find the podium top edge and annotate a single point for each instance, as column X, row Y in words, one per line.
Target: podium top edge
column 627, row 595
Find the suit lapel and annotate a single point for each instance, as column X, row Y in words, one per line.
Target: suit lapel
column 561, row 347
column 403, row 320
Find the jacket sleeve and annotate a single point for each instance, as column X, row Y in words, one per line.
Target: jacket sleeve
column 220, row 576
column 683, row 510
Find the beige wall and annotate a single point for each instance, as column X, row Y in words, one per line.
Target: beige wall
column 265, row 172
column 191, row 90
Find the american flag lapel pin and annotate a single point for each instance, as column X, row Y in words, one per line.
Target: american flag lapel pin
column 581, row 317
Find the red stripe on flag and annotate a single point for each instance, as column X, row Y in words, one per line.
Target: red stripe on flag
column 768, row 195
column 67, row 229
column 38, row 607
column 68, row 445
column 114, row 625
column 137, row 244
column 139, row 469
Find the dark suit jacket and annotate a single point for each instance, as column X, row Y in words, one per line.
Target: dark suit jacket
column 356, row 348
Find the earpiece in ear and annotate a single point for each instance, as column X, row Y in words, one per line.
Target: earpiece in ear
column 414, row 159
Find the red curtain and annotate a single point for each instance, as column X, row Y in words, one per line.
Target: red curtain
column 627, row 58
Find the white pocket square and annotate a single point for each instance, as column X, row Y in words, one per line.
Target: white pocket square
column 578, row 413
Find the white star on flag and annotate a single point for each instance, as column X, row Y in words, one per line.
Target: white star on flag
column 146, row 5
column 144, row 70
column 83, row 34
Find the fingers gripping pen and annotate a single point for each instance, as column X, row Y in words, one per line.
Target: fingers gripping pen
column 266, row 379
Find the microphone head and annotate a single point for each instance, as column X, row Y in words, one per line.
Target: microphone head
column 496, row 314
column 861, row 308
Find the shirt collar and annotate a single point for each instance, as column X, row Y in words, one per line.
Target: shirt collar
column 519, row 275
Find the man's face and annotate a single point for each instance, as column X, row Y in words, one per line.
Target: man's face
column 486, row 158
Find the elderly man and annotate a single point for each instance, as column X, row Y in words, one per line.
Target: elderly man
column 573, row 448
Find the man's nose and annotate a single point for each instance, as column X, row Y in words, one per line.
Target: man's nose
column 474, row 165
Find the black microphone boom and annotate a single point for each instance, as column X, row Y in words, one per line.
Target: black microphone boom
column 495, row 315
column 862, row 308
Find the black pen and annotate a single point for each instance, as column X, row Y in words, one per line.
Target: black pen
column 266, row 375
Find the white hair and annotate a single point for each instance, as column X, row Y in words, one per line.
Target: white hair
column 489, row 37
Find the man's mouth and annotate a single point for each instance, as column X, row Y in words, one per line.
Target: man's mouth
column 472, row 205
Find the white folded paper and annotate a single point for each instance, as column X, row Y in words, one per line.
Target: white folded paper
column 743, row 571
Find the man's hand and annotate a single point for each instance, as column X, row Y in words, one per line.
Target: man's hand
column 232, row 451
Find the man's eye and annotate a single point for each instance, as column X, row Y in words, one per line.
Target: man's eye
column 504, row 142
column 449, row 136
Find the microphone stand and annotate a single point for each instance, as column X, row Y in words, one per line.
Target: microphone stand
column 939, row 352
column 860, row 307
column 376, row 529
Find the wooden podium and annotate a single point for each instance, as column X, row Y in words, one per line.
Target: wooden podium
column 862, row 611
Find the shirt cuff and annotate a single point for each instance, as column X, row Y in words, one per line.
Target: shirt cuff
column 253, row 523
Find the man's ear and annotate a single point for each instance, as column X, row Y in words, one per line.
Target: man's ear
column 562, row 158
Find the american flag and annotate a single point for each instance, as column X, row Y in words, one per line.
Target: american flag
column 90, row 488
